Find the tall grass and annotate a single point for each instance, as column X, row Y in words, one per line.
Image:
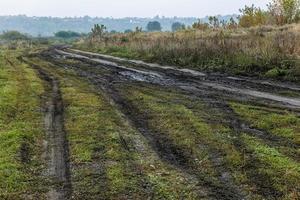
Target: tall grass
column 265, row 51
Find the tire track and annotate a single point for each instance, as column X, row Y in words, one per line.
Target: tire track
column 56, row 144
column 163, row 145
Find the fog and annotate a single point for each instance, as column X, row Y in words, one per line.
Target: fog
column 124, row 8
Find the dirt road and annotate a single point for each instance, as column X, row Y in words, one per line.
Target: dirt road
column 56, row 143
column 217, row 92
column 191, row 80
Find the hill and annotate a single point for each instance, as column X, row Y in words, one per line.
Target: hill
column 47, row 26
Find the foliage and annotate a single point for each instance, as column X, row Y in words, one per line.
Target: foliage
column 13, row 35
column 128, row 31
column 200, row 25
column 177, row 26
column 285, row 11
column 214, row 21
column 252, row 16
column 113, row 32
column 67, row 34
column 240, row 51
column 153, row 26
column 98, row 32
column 21, row 128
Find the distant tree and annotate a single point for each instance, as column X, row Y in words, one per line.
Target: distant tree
column 200, row 25
column 67, row 34
column 113, row 32
column 138, row 29
column 252, row 16
column 177, row 26
column 153, row 26
column 214, row 21
column 98, row 31
column 285, row 11
column 232, row 24
column 14, row 35
column 128, row 31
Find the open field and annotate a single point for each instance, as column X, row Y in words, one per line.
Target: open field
column 80, row 125
column 263, row 51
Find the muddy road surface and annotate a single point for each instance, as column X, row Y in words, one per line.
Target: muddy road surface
column 186, row 79
column 215, row 129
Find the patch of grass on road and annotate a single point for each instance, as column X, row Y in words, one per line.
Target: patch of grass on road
column 250, row 161
column 109, row 158
column 286, row 125
column 284, row 172
column 202, row 143
column 21, row 125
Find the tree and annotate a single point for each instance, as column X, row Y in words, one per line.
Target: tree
column 154, row 26
column 138, row 29
column 67, row 34
column 232, row 23
column 13, row 35
column 113, row 32
column 128, row 31
column 252, row 16
column 200, row 25
column 285, row 11
column 177, row 26
column 214, row 21
column 98, row 31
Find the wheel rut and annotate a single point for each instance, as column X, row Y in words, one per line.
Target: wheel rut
column 56, row 144
column 200, row 89
column 163, row 145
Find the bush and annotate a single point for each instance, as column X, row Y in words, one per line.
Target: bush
column 154, row 26
column 177, row 26
column 67, row 34
column 14, row 35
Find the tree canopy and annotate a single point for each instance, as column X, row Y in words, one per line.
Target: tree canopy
column 177, row 26
column 67, row 34
column 154, row 26
column 13, row 35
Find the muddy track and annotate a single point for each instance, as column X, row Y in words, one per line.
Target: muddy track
column 56, row 144
column 164, row 147
column 214, row 90
column 260, row 91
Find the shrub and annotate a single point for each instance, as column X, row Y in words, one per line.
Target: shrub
column 177, row 26
column 67, row 34
column 14, row 35
column 154, row 26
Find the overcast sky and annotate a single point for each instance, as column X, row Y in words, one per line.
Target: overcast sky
column 124, row 8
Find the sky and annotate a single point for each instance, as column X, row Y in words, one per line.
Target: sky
column 125, row 8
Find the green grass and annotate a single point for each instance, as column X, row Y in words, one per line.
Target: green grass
column 284, row 172
column 101, row 164
column 286, row 125
column 247, row 52
column 167, row 118
column 108, row 154
column 246, row 162
column 21, row 125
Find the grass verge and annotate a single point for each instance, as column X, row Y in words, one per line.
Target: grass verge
column 21, row 125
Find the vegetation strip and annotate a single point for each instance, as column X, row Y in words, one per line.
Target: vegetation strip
column 57, row 146
column 21, row 130
column 111, row 153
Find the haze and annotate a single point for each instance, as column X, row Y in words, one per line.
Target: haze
column 124, row 8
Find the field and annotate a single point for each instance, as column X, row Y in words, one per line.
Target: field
column 82, row 125
column 264, row 51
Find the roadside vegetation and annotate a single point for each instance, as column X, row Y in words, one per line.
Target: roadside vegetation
column 21, row 129
column 260, row 43
column 131, row 131
column 108, row 157
column 259, row 168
